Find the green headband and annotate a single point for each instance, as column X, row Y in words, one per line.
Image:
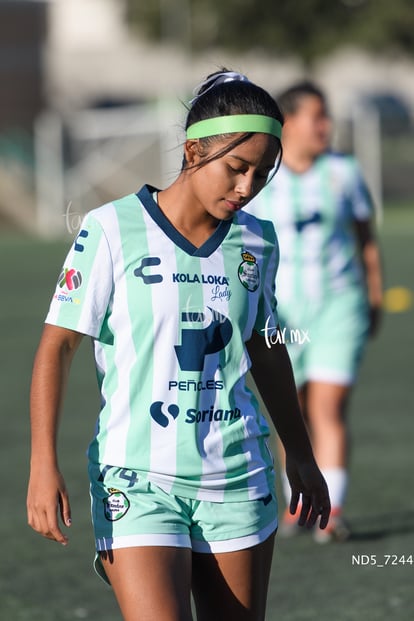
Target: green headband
column 235, row 123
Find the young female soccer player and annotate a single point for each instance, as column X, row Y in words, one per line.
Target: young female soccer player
column 329, row 282
column 175, row 287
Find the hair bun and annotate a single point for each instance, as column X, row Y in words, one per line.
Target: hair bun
column 220, row 77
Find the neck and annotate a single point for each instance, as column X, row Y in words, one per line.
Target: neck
column 185, row 213
column 296, row 159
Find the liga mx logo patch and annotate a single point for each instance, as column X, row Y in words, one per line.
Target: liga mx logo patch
column 248, row 272
column 70, row 279
column 116, row 505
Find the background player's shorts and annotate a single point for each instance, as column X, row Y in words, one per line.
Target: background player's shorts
column 328, row 340
column 128, row 511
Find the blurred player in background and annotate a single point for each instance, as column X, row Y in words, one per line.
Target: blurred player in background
column 329, row 285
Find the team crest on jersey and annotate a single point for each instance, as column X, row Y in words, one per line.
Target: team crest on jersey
column 248, row 272
column 116, row 505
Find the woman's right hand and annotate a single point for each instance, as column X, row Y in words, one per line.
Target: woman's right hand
column 47, row 500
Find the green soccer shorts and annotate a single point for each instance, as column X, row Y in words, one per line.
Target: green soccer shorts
column 326, row 341
column 128, row 510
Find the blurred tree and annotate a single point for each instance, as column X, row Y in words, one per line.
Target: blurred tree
column 306, row 28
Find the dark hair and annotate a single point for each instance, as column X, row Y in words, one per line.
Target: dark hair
column 227, row 98
column 290, row 99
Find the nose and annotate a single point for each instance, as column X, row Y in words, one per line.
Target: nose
column 244, row 186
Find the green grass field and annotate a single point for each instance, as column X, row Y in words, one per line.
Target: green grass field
column 41, row 581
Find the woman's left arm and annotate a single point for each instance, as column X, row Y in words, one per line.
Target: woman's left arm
column 371, row 260
column 273, row 375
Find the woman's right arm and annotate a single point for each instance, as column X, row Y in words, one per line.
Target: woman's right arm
column 47, row 496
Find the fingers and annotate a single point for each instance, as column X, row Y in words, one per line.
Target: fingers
column 294, row 502
column 308, row 484
column 312, row 508
column 312, row 517
column 304, row 513
column 48, row 527
column 65, row 511
column 325, row 513
column 44, row 520
column 321, row 505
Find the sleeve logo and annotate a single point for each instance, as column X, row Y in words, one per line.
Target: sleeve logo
column 70, row 279
column 79, row 247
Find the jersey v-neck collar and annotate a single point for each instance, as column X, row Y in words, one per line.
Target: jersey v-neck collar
column 205, row 250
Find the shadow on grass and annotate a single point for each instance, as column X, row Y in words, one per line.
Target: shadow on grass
column 381, row 526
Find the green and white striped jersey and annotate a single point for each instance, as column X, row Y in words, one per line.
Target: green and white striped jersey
column 314, row 214
column 169, row 322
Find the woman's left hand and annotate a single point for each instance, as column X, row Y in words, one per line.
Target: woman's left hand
column 306, row 481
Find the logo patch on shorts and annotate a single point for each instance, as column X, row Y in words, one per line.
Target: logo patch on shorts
column 116, row 505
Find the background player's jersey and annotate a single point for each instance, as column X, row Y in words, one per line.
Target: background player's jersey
column 314, row 216
column 169, row 323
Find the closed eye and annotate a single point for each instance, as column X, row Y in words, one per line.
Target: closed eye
column 237, row 171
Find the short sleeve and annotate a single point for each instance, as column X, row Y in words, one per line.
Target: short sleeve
column 267, row 317
column 359, row 195
column 84, row 288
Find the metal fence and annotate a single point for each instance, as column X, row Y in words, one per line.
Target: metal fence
column 98, row 155
column 94, row 156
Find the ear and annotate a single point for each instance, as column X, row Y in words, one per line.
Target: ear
column 192, row 153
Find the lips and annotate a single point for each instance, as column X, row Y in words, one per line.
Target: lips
column 233, row 205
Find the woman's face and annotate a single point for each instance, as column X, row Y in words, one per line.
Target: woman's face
column 309, row 128
column 225, row 185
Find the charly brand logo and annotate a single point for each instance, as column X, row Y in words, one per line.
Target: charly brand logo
column 116, row 505
column 148, row 278
column 79, row 247
column 70, row 279
column 248, row 272
column 192, row 415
